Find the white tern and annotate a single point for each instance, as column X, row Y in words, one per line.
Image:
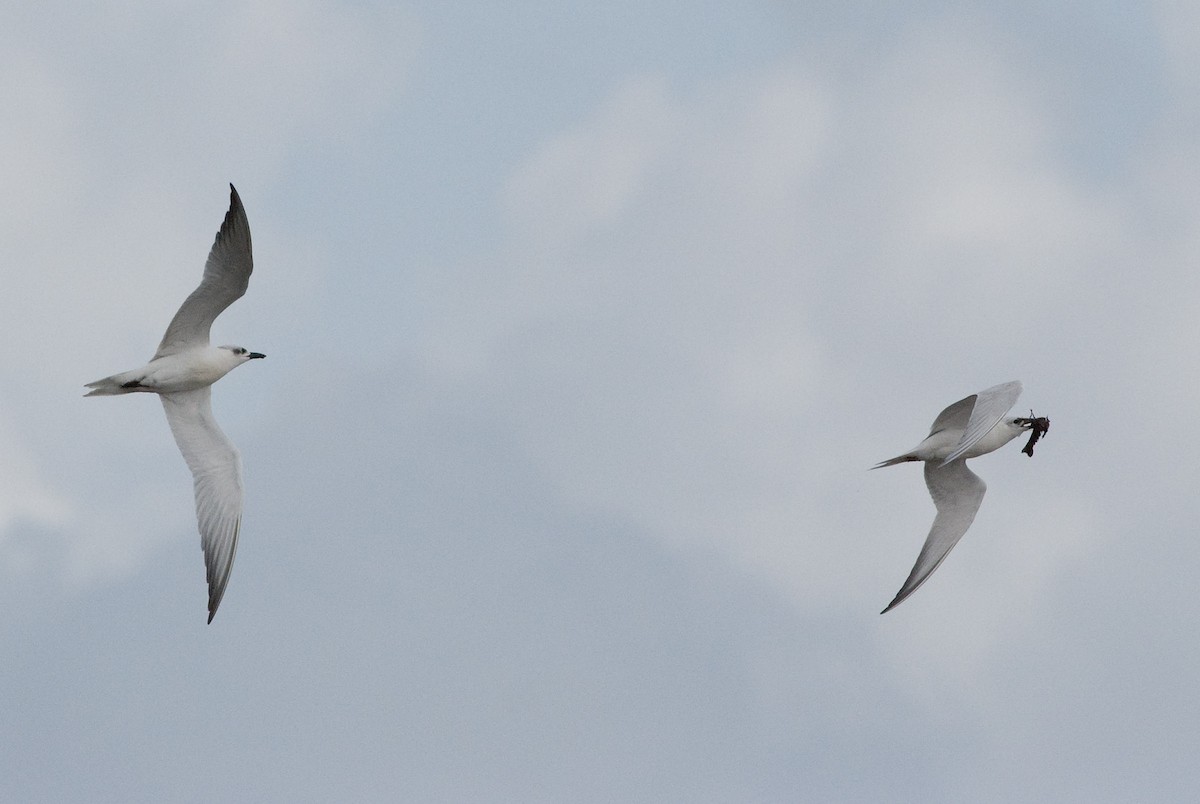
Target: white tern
column 182, row 372
column 969, row 428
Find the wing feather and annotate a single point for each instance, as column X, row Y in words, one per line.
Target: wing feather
column 990, row 407
column 955, row 416
column 957, row 493
column 226, row 277
column 217, row 480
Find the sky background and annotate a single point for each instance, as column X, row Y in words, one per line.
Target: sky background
column 584, row 323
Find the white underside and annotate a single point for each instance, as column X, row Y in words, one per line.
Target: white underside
column 183, row 371
column 940, row 444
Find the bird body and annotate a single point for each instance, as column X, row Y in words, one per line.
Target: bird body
column 938, row 445
column 969, row 428
column 182, row 372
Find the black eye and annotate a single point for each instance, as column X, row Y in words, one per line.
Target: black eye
column 241, row 351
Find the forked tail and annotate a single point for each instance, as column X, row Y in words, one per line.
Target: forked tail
column 124, row 383
column 894, row 461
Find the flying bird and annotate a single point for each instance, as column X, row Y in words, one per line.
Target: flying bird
column 969, row 428
column 182, row 372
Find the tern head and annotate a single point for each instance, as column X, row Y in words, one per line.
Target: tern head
column 1015, row 426
column 243, row 355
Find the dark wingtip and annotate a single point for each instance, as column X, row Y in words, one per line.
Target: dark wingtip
column 214, row 603
column 235, row 219
column 900, row 597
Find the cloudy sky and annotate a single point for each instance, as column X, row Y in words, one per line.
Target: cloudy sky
column 584, row 322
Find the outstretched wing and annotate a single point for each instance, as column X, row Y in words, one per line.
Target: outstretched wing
column 217, row 478
column 990, row 407
column 226, row 276
column 957, row 492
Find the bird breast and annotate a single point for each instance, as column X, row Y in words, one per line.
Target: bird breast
column 940, row 444
column 187, row 371
column 997, row 437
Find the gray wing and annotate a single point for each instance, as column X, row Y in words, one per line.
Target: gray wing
column 955, row 416
column 990, row 407
column 957, row 493
column 226, row 276
column 217, row 475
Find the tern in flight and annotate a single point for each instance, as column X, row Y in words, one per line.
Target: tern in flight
column 182, row 372
column 969, row 428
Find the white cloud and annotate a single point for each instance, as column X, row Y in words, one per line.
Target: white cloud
column 25, row 495
column 584, row 179
column 327, row 71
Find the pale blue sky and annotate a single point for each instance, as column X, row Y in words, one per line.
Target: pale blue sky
column 583, row 326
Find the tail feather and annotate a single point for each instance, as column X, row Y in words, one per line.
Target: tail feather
column 894, row 461
column 124, row 383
